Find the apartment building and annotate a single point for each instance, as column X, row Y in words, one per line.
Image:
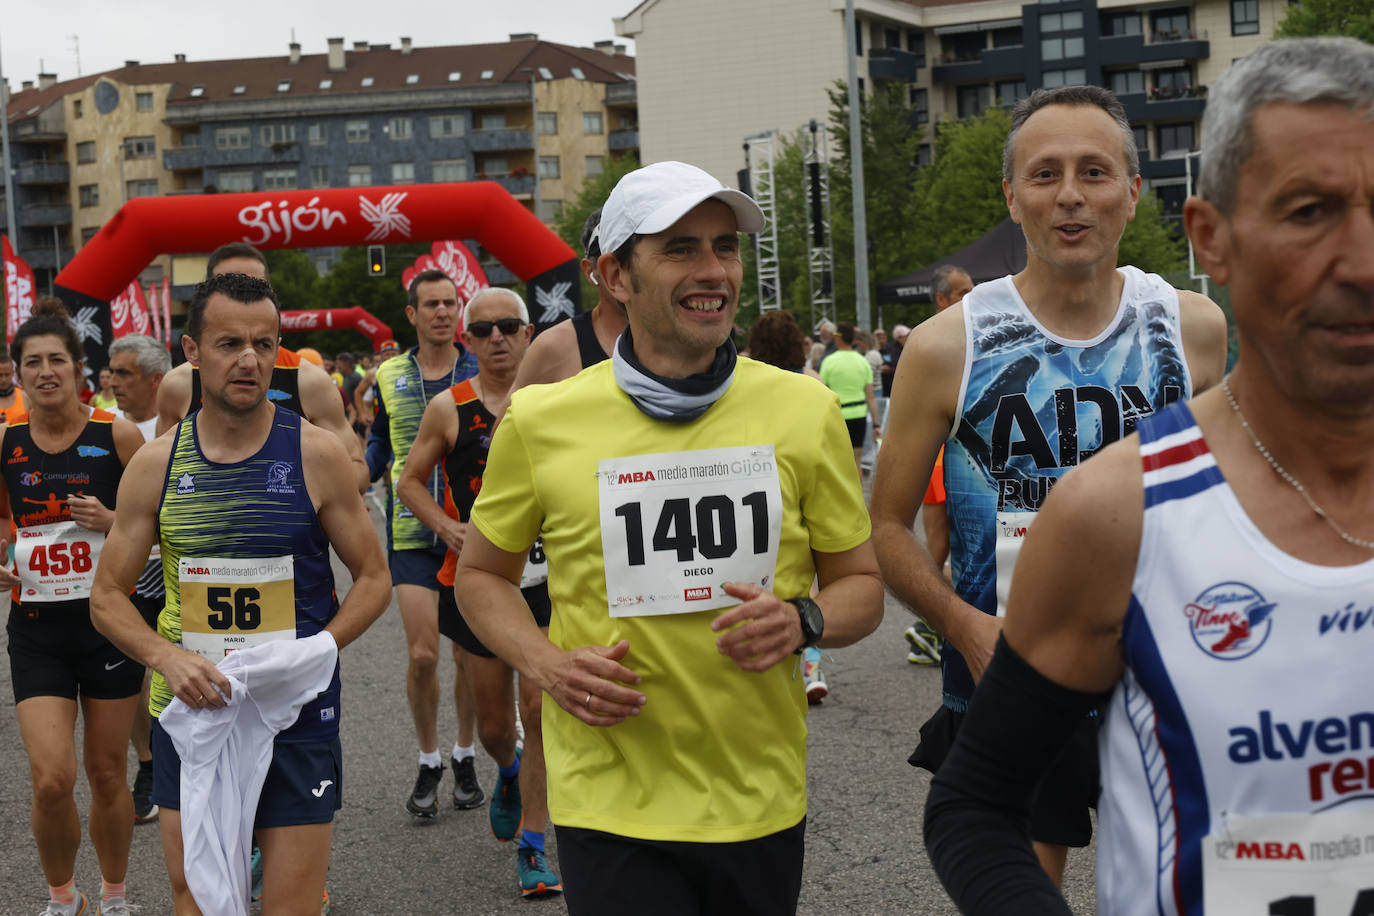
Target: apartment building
column 771, row 62
column 535, row 116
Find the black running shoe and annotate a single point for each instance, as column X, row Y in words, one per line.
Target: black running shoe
column 144, row 809
column 424, row 800
column 466, row 792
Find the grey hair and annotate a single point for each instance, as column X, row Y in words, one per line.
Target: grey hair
column 151, row 356
column 487, row 292
column 939, row 281
column 1072, row 95
column 1300, row 71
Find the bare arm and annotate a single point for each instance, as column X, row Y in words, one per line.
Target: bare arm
column 488, row 592
column 1204, row 339
column 924, row 395
column 88, row 511
column 330, row 482
column 362, row 388
column 873, row 411
column 173, row 397
column 438, row 432
column 122, row 560
column 8, row 579
column 322, row 405
column 551, row 357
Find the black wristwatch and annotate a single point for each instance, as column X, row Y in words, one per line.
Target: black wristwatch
column 812, row 621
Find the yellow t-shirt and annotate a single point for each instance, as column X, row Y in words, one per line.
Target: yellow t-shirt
column 717, row 754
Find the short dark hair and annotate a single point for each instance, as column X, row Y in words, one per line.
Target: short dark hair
column 235, row 250
column 1072, row 95
column 591, row 239
column 49, row 317
column 346, row 357
column 432, row 275
column 845, row 331
column 239, row 287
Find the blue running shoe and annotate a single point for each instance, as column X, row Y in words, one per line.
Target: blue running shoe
column 506, row 812
column 536, row 878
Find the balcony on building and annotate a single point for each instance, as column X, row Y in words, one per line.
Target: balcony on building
column 45, row 215
column 1160, row 45
column 492, row 139
column 45, row 257
column 892, row 64
column 178, row 158
column 1165, row 104
column 979, row 51
column 43, row 171
column 626, row 138
column 520, row 183
column 253, row 155
column 625, row 93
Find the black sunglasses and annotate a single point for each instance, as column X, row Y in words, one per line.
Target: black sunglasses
column 508, row 327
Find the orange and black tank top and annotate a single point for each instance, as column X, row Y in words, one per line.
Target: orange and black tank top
column 465, row 465
column 283, row 391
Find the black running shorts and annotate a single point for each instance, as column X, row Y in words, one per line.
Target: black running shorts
column 1059, row 814
column 857, row 427
column 452, row 624
column 54, row 655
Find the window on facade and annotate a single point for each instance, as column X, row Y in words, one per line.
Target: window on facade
column 455, row 76
column 1126, row 82
column 238, row 90
column 488, row 74
column 284, row 86
column 140, row 187
column 90, row 195
column 916, row 44
column 198, row 91
column 367, row 82
column 76, row 108
column 548, row 167
column 326, row 85
column 972, row 100
column 546, row 122
column 964, row 47
column 495, row 166
column 402, row 173
column 1120, row 24
column 892, row 38
column 359, row 176
column 577, row 73
column 1171, row 198
column 1245, row 17
column 545, row 73
column 449, row 170
column 550, row 210
column 1175, row 138
column 1171, row 24
column 317, row 134
column 1007, row 38
column 400, row 129
column 1173, row 83
column 139, row 148
column 88, row 233
column 1142, row 140
column 920, row 105
column 447, row 126
column 143, row 101
column 591, row 122
column 234, row 181
column 1061, row 22
column 191, row 141
column 319, row 176
column 356, row 131
column 923, row 155
column 278, row 179
column 1061, row 47
column 412, row 79
column 277, row 133
column 595, row 165
column 1009, row 92
column 1075, row 76
column 493, row 120
column 233, row 138
column 85, row 152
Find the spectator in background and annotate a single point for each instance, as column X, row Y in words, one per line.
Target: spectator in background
column 776, row 339
column 825, row 334
column 847, row 373
column 105, row 397
column 891, row 353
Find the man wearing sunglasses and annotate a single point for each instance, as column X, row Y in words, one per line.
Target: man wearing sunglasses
column 405, row 384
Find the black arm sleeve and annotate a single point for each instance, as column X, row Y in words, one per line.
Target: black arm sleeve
column 977, row 823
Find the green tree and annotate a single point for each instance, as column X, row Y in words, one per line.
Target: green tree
column 1328, row 17
column 960, row 193
column 349, row 284
column 594, row 192
column 1152, row 242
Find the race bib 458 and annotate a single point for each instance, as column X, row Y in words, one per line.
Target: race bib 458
column 677, row 525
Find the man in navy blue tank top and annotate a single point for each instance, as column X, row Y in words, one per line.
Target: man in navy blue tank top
column 1025, row 378
column 1208, row 581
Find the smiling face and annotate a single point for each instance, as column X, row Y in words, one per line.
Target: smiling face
column 236, row 352
column 1070, row 190
column 48, row 372
column 1298, row 250
column 682, row 289
column 435, row 313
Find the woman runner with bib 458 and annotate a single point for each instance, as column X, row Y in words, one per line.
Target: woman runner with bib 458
column 61, row 462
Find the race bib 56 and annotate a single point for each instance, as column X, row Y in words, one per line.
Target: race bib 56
column 229, row 604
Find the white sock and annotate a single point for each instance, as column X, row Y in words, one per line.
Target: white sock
column 431, row 758
column 462, row 753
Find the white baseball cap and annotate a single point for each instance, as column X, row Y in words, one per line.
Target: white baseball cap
column 652, row 198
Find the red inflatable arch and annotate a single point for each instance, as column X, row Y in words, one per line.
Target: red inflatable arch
column 357, row 319
column 149, row 226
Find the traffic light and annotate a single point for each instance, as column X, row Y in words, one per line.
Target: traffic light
column 376, row 260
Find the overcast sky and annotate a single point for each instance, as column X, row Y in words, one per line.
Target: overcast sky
column 151, row 32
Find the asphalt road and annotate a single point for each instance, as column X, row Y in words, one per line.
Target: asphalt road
column 864, row 855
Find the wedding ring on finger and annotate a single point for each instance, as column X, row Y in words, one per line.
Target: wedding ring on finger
column 588, row 702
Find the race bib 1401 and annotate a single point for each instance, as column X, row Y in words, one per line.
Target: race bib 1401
column 229, row 604
column 677, row 525
column 56, row 562
column 1291, row 865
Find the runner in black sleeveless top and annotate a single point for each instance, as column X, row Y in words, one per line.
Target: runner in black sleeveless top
column 588, row 347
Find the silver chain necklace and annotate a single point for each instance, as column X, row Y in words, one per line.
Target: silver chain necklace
column 1292, row 481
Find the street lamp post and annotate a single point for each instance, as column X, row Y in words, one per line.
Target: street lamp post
column 534, row 140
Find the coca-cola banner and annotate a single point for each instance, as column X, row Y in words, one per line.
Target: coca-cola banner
column 356, row 318
column 19, row 289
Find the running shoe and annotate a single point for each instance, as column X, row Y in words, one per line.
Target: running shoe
column 424, row 799
column 255, row 873
column 115, row 906
column 816, row 690
column 505, row 812
column 144, row 809
column 925, row 643
column 536, row 878
column 76, row 908
column 466, row 792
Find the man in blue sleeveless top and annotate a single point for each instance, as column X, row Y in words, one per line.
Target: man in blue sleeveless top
column 245, row 501
column 1027, row 377
column 1225, row 600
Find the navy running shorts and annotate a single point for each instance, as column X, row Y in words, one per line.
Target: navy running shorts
column 609, row 875
column 54, row 655
column 304, row 783
column 417, row 567
column 452, row 624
